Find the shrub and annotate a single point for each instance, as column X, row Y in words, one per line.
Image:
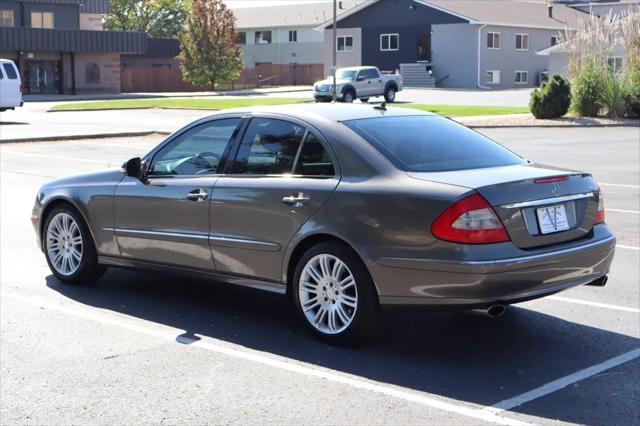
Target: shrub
column 587, row 98
column 632, row 104
column 552, row 100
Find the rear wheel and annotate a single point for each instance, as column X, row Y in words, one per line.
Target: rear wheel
column 390, row 94
column 69, row 248
column 335, row 295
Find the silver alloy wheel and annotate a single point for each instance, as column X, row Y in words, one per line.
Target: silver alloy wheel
column 64, row 244
column 328, row 294
column 391, row 95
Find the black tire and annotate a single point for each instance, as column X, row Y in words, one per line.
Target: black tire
column 348, row 96
column 364, row 100
column 88, row 269
column 390, row 94
column 366, row 322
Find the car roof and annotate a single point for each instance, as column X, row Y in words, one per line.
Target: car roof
column 6, row 60
column 335, row 112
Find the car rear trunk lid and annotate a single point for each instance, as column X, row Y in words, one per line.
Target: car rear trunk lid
column 535, row 214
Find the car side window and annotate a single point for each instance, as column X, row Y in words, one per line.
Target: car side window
column 10, row 71
column 196, row 152
column 314, row 160
column 269, row 147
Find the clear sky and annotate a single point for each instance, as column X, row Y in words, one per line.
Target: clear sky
column 254, row 3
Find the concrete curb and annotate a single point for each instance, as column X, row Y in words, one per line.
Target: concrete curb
column 550, row 126
column 92, row 136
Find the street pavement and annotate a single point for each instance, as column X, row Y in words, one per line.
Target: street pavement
column 143, row 347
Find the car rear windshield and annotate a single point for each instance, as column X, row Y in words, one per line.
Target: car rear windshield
column 431, row 144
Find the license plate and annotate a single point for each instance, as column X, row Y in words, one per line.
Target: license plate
column 552, row 219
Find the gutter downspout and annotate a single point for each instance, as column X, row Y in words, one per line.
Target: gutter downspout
column 479, row 49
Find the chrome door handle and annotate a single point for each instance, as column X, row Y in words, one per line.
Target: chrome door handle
column 199, row 194
column 296, row 200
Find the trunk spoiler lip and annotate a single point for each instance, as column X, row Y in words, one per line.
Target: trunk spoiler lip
column 545, row 201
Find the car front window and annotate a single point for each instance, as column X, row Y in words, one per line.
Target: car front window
column 431, row 144
column 196, row 152
column 346, row 75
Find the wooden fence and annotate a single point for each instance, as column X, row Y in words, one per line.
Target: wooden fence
column 149, row 79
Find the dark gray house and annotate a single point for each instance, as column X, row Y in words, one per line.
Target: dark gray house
column 60, row 46
column 489, row 44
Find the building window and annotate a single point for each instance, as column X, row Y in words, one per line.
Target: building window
column 6, row 18
column 92, row 73
column 615, row 64
column 263, row 37
column 242, row 38
column 493, row 77
column 41, row 19
column 493, row 40
column 389, row 42
column 344, row 43
column 522, row 77
column 522, row 41
column 555, row 40
column 293, row 36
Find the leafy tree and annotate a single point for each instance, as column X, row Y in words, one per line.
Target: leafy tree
column 209, row 52
column 157, row 18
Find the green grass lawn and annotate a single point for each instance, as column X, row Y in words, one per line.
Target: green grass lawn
column 199, row 103
column 213, row 103
column 467, row 110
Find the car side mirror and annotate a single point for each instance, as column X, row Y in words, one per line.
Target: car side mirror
column 360, row 78
column 133, row 168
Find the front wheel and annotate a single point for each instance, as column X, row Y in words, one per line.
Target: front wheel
column 348, row 96
column 390, row 94
column 335, row 295
column 69, row 248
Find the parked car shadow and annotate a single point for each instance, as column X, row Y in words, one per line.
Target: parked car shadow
column 460, row 356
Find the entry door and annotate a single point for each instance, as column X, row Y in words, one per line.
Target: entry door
column 43, row 77
column 282, row 174
column 164, row 218
column 424, row 46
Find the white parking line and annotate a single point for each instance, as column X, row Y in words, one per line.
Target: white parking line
column 55, row 157
column 623, row 211
column 140, row 326
column 619, row 185
column 595, row 304
column 622, row 246
column 561, row 383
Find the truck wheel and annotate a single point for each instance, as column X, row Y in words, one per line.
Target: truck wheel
column 348, row 96
column 390, row 94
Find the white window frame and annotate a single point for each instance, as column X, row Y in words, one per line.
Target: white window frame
column 493, row 75
column 345, row 49
column 293, row 33
column 522, row 38
column 389, row 35
column 556, row 38
column 41, row 22
column 7, row 14
column 522, row 73
column 616, row 70
column 493, row 33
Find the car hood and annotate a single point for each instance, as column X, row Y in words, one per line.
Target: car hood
column 339, row 81
column 108, row 176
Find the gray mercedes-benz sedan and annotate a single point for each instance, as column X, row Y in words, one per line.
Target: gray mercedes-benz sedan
column 345, row 208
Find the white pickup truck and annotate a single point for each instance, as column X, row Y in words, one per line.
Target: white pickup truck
column 358, row 83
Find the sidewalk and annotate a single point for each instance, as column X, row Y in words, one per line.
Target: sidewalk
column 111, row 96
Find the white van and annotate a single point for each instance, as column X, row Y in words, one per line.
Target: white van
column 10, row 85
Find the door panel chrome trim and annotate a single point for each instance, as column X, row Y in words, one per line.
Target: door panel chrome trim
column 161, row 235
column 241, row 243
column 545, row 201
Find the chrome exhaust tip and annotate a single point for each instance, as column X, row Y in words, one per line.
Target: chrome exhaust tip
column 599, row 282
column 493, row 311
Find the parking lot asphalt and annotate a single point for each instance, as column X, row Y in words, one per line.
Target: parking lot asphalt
column 143, row 347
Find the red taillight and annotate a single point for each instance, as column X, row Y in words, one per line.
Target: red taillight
column 551, row 179
column 471, row 220
column 600, row 213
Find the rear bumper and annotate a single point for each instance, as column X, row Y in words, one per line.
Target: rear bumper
column 403, row 281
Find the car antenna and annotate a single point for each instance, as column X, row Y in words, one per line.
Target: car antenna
column 381, row 107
